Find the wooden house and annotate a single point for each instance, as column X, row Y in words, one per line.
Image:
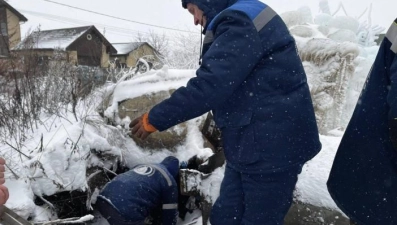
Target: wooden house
column 79, row 45
column 10, row 30
column 128, row 53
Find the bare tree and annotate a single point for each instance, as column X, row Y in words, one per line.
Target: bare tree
column 160, row 42
column 185, row 52
column 180, row 50
column 32, row 84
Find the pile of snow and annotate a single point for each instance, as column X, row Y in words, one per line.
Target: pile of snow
column 151, row 82
column 57, row 154
column 61, row 164
column 311, row 187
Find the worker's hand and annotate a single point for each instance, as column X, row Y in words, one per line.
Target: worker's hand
column 3, row 194
column 141, row 128
column 3, row 189
column 2, row 170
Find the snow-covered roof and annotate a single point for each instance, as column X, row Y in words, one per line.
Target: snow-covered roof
column 52, row 39
column 126, row 48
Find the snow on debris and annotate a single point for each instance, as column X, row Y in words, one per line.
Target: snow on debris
column 148, row 83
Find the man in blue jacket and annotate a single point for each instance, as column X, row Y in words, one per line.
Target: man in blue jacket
column 146, row 194
column 363, row 179
column 252, row 79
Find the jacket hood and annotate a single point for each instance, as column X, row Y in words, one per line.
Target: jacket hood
column 210, row 8
column 172, row 165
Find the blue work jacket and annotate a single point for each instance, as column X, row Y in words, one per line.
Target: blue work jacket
column 144, row 191
column 363, row 179
column 252, row 79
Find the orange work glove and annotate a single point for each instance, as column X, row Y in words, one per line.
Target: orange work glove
column 141, row 128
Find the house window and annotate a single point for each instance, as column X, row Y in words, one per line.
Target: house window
column 3, row 28
column 42, row 60
column 3, row 51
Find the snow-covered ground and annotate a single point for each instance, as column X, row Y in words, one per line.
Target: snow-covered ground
column 59, row 150
column 61, row 164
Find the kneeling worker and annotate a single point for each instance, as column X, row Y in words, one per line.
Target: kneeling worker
column 146, row 194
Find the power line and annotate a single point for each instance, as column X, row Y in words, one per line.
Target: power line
column 81, row 22
column 121, row 31
column 53, row 18
column 119, row 18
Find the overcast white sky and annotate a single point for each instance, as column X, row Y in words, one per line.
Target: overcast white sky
column 166, row 13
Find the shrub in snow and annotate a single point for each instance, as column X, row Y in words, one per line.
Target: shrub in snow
column 329, row 65
column 293, row 18
column 323, row 19
column 344, row 22
column 324, row 7
column 303, row 31
column 343, row 35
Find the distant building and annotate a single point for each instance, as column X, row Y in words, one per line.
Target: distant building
column 78, row 45
column 10, row 30
column 128, row 53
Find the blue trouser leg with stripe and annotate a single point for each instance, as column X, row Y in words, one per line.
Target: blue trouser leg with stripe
column 252, row 199
column 112, row 215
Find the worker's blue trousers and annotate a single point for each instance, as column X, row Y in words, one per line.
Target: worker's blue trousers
column 255, row 198
column 112, row 215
